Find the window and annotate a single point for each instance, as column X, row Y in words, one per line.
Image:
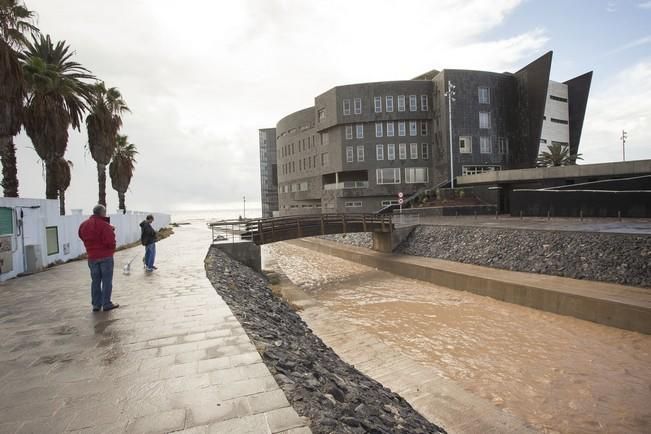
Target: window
column 322, row 114
column 360, row 153
column 465, row 144
column 424, row 103
column 302, row 186
column 402, row 151
column 401, row 103
column 325, row 139
column 559, row 121
column 388, row 176
column 413, row 128
column 416, row 175
column 474, row 170
column 52, row 239
column 388, row 202
column 349, row 132
column 325, row 159
column 300, row 166
column 501, row 145
column 358, row 106
column 350, row 157
column 7, row 221
column 391, row 151
column 346, row 107
column 485, row 145
column 484, row 95
column 359, row 131
column 389, row 104
column 424, row 151
column 543, row 141
column 484, row 120
column 413, row 103
column 389, row 129
column 294, row 188
column 378, row 104
column 557, row 98
column 378, row 129
column 353, row 204
column 424, row 129
column 379, row 152
column 413, row 151
column 401, row 129
column 554, row 142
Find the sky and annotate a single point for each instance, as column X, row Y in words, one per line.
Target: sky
column 201, row 77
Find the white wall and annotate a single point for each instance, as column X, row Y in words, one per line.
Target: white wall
column 552, row 131
column 46, row 213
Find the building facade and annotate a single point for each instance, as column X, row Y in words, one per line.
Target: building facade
column 268, row 172
column 360, row 145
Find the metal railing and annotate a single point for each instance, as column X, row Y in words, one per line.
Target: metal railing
column 346, row 185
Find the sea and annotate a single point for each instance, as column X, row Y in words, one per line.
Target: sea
column 208, row 215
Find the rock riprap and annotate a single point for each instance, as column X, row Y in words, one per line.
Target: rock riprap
column 332, row 394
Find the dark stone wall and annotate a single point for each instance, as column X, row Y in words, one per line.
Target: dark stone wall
column 571, row 203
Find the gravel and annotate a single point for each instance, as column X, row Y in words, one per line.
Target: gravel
column 607, row 257
column 332, row 394
column 357, row 239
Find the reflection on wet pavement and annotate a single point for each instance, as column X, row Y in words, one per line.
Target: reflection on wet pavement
column 559, row 373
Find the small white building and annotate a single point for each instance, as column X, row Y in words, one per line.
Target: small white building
column 556, row 127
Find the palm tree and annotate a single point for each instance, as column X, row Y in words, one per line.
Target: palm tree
column 57, row 97
column 63, row 177
column 557, row 154
column 122, row 167
column 103, row 124
column 15, row 21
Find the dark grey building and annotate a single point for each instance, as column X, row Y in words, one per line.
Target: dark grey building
column 362, row 144
column 268, row 172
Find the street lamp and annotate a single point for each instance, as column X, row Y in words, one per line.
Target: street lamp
column 450, row 94
column 623, row 139
column 244, row 199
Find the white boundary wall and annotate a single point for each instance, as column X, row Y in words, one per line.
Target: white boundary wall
column 37, row 214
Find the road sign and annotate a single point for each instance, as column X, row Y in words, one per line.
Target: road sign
column 400, row 201
column 400, row 195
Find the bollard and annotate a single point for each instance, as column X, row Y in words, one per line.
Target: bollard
column 520, row 214
column 475, row 215
column 619, row 215
column 496, row 215
column 581, row 214
column 549, row 214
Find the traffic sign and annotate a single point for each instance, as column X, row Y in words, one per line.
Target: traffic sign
column 400, row 201
column 400, row 195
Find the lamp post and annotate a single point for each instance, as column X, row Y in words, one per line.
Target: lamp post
column 450, row 94
column 244, row 199
column 623, row 139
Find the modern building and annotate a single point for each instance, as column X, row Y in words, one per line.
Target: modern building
column 362, row 144
column 268, row 172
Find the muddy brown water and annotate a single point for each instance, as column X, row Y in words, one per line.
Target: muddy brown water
column 558, row 373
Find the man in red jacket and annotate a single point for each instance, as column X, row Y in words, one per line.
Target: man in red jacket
column 99, row 238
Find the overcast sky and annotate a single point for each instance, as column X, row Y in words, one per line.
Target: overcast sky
column 202, row 76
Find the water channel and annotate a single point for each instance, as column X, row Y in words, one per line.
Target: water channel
column 558, row 373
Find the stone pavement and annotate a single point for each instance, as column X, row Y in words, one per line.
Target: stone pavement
column 171, row 358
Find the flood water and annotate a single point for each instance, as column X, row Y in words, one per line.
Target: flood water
column 559, row 373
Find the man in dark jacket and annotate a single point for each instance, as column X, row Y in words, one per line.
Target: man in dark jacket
column 99, row 239
column 148, row 239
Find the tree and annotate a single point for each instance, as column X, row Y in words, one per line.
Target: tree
column 57, row 97
column 103, row 124
column 63, row 176
column 15, row 21
column 122, row 167
column 557, row 154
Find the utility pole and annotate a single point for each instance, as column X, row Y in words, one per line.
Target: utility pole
column 623, row 139
column 450, row 94
column 244, row 199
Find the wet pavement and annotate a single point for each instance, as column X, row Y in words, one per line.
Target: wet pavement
column 171, row 358
column 435, row 346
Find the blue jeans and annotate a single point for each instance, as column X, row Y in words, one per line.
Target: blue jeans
column 101, row 274
column 150, row 255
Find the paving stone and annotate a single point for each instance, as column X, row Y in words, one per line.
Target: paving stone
column 216, row 411
column 158, row 423
column 267, row 401
column 283, row 419
column 256, row 424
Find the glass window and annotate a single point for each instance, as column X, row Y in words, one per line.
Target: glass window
column 402, row 151
column 350, row 157
column 389, row 129
column 358, row 106
column 465, row 144
column 424, row 128
column 424, row 151
column 360, row 153
column 484, row 95
column 325, row 139
column 389, row 103
column 378, row 104
column 416, row 175
column 388, row 176
column 413, row 103
column 353, row 204
column 322, row 115
column 391, row 151
column 501, row 145
column 424, row 103
column 388, row 202
column 359, row 131
column 52, row 239
column 379, row 152
column 484, row 120
column 413, row 128
column 325, row 159
column 349, row 132
column 485, row 145
column 378, row 129
column 413, row 151
column 474, row 170
column 346, row 107
column 401, row 103
column 401, row 129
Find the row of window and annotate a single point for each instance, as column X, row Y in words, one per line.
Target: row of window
column 390, row 129
column 474, row 170
column 485, row 145
column 391, row 175
column 388, row 104
column 306, row 163
column 304, row 144
column 390, row 152
column 557, row 98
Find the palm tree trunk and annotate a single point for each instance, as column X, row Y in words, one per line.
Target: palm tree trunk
column 62, row 202
column 9, row 168
column 101, row 179
column 51, row 190
column 122, row 206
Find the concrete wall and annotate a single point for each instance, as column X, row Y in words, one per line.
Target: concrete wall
column 245, row 252
column 31, row 217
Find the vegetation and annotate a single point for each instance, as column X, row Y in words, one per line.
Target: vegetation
column 122, row 167
column 557, row 155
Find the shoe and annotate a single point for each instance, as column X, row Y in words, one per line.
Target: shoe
column 111, row 307
column 96, row 308
column 154, row 267
column 149, row 270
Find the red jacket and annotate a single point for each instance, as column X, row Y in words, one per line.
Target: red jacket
column 98, row 237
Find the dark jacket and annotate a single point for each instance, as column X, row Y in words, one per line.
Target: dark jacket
column 98, row 237
column 147, row 234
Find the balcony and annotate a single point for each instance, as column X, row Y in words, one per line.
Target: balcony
column 346, row 185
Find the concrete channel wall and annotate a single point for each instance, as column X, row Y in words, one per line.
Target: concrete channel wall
column 613, row 305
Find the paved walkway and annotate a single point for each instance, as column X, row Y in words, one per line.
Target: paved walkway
column 172, row 358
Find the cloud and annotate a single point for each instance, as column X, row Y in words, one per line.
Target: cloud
column 632, row 44
column 201, row 77
column 644, row 5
